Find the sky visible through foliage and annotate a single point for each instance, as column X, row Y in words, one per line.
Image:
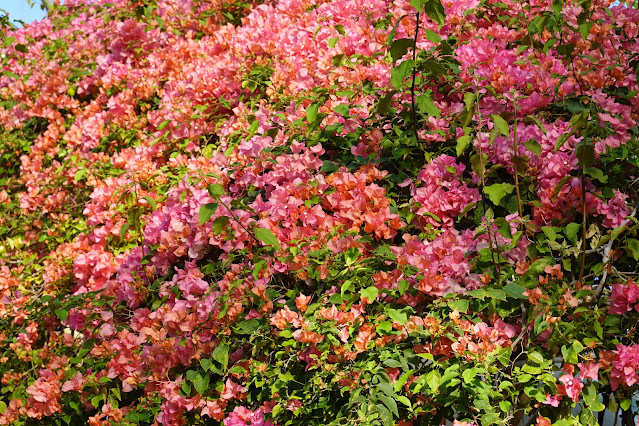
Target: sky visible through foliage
column 21, row 10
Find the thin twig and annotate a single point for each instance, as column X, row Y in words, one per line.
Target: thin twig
column 584, row 212
column 515, row 159
column 606, row 255
column 412, row 87
column 524, row 326
column 483, row 185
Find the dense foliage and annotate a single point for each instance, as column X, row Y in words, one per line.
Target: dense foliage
column 319, row 212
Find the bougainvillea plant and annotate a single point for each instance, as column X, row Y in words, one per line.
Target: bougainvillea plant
column 292, row 212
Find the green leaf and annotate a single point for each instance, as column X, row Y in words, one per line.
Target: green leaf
column 86, row 347
column 524, row 378
column 342, row 109
column 236, row 369
column 489, row 418
column 258, row 267
column 571, row 231
column 116, row 393
column 311, row 112
column 216, row 190
column 451, row 374
column 434, row 379
column 527, row 368
column 208, row 150
column 498, row 191
column 495, row 293
column 347, row 286
column 591, row 398
column 435, row 11
column 385, row 386
column 469, row 100
column 432, row 216
column 503, row 227
column 426, row 104
column 386, row 416
column 370, row 293
column 477, row 293
column 549, row 232
column 533, row 146
column 586, row 417
column 138, row 417
column 462, row 144
column 248, row 327
column 570, row 352
column 79, row 175
column 389, row 403
column 267, row 237
column 585, row 154
column 276, row 410
column 584, row 29
column 95, row 401
column 516, row 238
column 201, row 383
column 11, row 75
column 206, row 211
column 515, row 290
column 501, row 125
column 432, row 35
column 397, row 316
column 536, row 357
column 402, row 286
column 163, row 124
column 536, row 121
column 221, row 355
column 384, row 103
column 400, row 72
column 151, row 202
column 624, row 404
column 633, row 245
column 328, row 167
column 404, row 400
column 562, row 139
column 458, row 305
column 479, row 163
column 617, row 231
column 399, row 383
column 205, row 363
column 426, row 356
column 63, row 314
column 469, row 374
column 503, row 356
column 338, row 61
column 219, row 224
column 385, row 327
column 352, row 255
column 399, row 48
column 596, row 174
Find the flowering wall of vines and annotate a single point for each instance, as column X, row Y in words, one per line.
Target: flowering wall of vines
column 319, row 212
